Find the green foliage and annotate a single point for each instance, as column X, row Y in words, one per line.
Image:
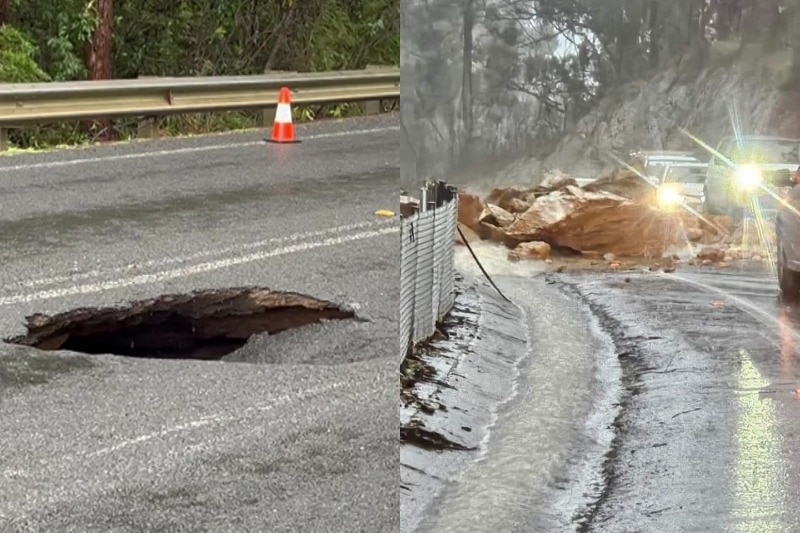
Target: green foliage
column 17, row 63
column 198, row 38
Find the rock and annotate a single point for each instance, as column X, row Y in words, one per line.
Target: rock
column 590, row 254
column 530, row 250
column 724, row 222
column 694, row 234
column 623, row 183
column 757, row 257
column 470, row 208
column 598, row 221
column 711, row 253
column 554, row 182
column 706, row 262
column 470, row 235
column 516, row 205
column 553, row 177
column 493, row 233
column 496, row 216
column 609, row 257
column 510, row 199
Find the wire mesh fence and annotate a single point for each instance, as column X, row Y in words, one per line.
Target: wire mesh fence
column 427, row 269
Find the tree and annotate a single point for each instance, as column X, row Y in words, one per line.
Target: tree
column 466, row 84
column 5, row 12
column 98, row 51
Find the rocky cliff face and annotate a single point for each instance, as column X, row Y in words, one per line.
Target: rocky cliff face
column 649, row 115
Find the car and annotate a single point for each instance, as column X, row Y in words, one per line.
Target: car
column 755, row 163
column 787, row 233
column 683, row 171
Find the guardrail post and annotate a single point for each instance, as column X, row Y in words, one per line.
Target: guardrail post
column 147, row 128
column 374, row 107
column 4, row 142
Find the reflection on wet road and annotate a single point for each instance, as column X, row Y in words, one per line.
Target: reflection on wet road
column 715, row 352
column 761, row 478
column 685, row 419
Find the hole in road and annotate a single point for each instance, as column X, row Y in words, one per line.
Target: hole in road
column 201, row 325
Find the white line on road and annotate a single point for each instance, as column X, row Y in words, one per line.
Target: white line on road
column 210, row 266
column 96, row 273
column 179, row 151
column 218, row 419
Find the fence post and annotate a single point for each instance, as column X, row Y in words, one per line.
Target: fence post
column 4, row 142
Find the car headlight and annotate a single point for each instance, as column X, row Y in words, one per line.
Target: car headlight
column 747, row 178
column 669, row 194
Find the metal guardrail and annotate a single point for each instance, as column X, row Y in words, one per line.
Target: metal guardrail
column 24, row 104
column 427, row 265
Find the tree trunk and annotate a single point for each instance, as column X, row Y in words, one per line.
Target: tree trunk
column 5, row 12
column 97, row 53
column 466, row 82
column 654, row 36
column 794, row 40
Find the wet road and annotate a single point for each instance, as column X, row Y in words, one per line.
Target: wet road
column 706, row 435
column 115, row 444
column 650, row 402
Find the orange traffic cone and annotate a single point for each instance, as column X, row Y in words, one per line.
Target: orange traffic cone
column 283, row 129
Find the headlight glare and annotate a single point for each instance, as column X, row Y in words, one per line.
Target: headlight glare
column 747, row 178
column 669, row 194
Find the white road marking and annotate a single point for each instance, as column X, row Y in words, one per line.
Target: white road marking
column 96, row 273
column 200, row 268
column 179, row 151
column 218, row 419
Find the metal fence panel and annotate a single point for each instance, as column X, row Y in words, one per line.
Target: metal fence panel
column 408, row 280
column 427, row 267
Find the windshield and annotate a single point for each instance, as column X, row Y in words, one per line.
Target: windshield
column 678, row 172
column 767, row 152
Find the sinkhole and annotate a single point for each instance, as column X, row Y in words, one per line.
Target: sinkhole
column 207, row 324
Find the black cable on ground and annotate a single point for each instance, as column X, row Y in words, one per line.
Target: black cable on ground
column 475, row 257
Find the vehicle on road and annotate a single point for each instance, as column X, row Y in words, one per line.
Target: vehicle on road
column 757, row 169
column 679, row 176
column 787, row 233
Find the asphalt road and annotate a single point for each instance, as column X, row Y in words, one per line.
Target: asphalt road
column 303, row 441
column 650, row 402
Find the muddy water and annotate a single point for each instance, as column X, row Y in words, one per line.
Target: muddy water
column 540, row 467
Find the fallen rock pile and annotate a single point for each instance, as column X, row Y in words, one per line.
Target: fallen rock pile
column 615, row 216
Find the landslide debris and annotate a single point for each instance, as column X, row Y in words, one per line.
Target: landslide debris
column 611, row 218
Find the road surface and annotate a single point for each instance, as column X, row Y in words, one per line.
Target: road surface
column 650, row 402
column 305, row 441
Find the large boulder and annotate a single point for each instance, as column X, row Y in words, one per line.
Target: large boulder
column 509, row 198
column 601, row 222
column 469, row 234
column 497, row 216
column 470, row 209
column 530, row 250
column 625, row 183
